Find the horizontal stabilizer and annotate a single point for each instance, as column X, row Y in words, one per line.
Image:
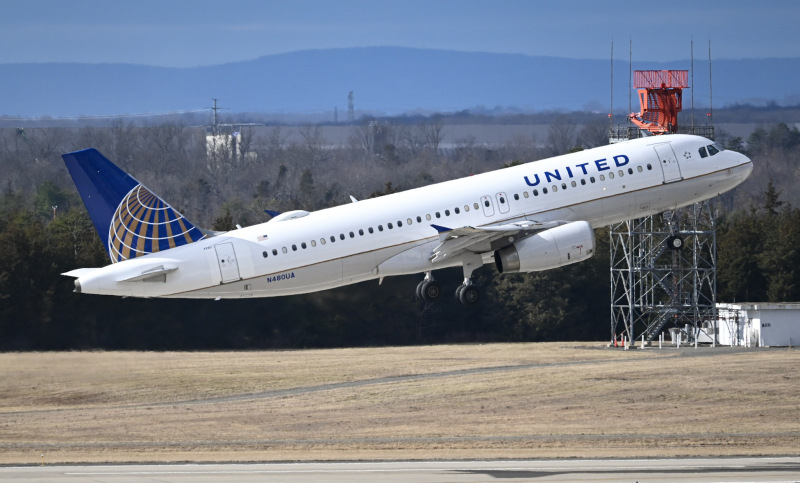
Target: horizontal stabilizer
column 155, row 274
column 79, row 272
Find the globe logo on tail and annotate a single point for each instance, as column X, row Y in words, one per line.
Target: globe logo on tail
column 143, row 223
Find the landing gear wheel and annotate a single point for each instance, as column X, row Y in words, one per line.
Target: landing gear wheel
column 430, row 290
column 458, row 291
column 468, row 295
column 418, row 292
column 675, row 242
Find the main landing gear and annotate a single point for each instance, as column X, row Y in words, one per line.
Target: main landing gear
column 468, row 294
column 428, row 290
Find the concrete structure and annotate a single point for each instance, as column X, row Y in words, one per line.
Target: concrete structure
column 759, row 324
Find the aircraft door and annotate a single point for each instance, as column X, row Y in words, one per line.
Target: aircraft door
column 486, row 204
column 228, row 265
column 502, row 202
column 668, row 161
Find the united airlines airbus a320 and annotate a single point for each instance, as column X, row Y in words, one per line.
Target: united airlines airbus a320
column 531, row 217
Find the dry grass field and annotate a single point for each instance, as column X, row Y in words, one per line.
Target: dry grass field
column 459, row 401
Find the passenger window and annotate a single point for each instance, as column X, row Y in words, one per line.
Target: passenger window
column 322, row 240
column 639, row 169
column 583, row 181
column 591, row 178
column 563, row 186
column 602, row 177
column 516, row 197
column 275, row 251
column 294, row 248
column 466, row 208
column 419, row 219
column 428, row 217
column 621, row 173
column 486, row 203
column 264, row 254
column 399, row 223
column 446, row 212
column 535, row 192
column 544, row 191
column 502, row 199
column 555, row 188
column 408, row 221
column 389, row 226
column 438, row 215
column 712, row 150
column 380, row 227
column 475, row 205
column 284, row 250
column 649, row 167
column 303, row 245
column 457, row 210
column 361, row 231
column 610, row 176
column 630, row 170
column 525, row 194
column 313, row 243
column 333, row 239
column 574, row 184
column 341, row 236
column 370, row 230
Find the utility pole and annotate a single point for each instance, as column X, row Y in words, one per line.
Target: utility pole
column 215, row 109
column 351, row 115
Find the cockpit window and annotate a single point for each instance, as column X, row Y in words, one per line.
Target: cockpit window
column 714, row 149
column 703, row 152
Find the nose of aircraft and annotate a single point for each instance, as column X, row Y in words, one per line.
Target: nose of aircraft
column 749, row 165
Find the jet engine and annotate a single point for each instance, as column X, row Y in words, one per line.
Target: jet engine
column 548, row 249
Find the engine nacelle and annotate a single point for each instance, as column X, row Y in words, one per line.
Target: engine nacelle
column 548, row 249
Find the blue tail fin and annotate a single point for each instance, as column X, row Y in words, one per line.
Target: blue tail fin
column 130, row 219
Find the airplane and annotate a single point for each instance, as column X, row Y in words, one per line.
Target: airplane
column 531, row 217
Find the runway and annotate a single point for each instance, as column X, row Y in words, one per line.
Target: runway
column 773, row 469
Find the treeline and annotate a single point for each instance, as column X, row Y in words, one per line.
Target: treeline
column 45, row 231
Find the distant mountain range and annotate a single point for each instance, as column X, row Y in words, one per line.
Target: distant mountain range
column 384, row 80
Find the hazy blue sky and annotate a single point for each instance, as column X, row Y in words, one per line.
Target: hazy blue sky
column 185, row 33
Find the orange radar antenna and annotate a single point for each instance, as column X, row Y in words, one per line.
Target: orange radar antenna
column 660, row 97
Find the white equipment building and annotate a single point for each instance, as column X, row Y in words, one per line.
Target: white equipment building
column 758, row 324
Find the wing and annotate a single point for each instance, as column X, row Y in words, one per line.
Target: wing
column 454, row 242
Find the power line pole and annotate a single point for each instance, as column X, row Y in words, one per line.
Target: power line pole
column 351, row 114
column 215, row 109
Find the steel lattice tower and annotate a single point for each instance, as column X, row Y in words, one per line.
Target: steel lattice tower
column 654, row 286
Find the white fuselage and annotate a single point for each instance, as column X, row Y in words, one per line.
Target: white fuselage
column 392, row 235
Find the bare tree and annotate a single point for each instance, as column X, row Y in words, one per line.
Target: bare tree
column 594, row 134
column 561, row 136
